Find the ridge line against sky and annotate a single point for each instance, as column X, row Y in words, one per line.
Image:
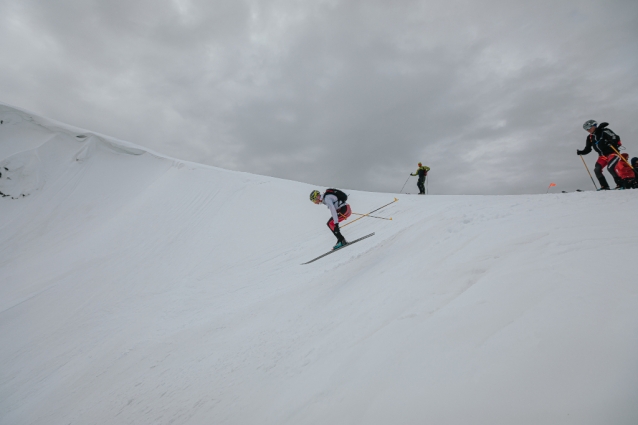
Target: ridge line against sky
column 491, row 95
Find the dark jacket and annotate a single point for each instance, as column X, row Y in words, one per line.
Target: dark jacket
column 422, row 171
column 601, row 141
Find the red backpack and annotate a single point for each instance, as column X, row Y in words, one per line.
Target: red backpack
column 623, row 169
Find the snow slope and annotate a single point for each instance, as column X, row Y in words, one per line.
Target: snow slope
column 140, row 289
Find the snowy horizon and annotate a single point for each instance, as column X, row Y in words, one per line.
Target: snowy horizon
column 136, row 288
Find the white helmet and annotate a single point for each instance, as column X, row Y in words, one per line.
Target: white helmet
column 589, row 124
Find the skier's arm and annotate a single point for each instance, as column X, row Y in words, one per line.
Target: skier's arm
column 587, row 147
column 333, row 210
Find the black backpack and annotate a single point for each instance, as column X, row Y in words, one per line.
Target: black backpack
column 336, row 192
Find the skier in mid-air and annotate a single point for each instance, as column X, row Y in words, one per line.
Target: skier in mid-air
column 335, row 200
column 422, row 172
column 602, row 139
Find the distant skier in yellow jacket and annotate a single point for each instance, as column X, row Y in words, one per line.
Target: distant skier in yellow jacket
column 422, row 172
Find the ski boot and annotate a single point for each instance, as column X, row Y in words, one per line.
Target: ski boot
column 340, row 244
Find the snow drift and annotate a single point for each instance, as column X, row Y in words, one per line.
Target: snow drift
column 138, row 289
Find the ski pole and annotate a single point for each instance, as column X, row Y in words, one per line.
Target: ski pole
column 592, row 179
column 405, row 184
column 365, row 215
column 620, row 156
column 372, row 216
column 426, row 184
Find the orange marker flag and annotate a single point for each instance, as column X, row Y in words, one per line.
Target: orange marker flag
column 550, row 186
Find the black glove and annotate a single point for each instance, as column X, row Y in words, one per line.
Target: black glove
column 336, row 228
column 579, row 152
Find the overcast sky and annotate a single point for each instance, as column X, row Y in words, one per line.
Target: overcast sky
column 491, row 94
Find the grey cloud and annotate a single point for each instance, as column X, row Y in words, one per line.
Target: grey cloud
column 491, row 95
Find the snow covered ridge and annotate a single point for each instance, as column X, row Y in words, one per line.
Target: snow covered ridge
column 23, row 138
column 135, row 288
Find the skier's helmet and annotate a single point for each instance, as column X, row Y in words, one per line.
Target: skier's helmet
column 420, row 164
column 315, row 196
column 589, row 124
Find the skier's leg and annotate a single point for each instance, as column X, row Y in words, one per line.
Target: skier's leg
column 611, row 167
column 598, row 170
column 335, row 231
column 421, row 186
column 344, row 213
column 331, row 225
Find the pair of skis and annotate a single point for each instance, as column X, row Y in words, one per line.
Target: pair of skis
column 354, row 241
column 341, row 247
